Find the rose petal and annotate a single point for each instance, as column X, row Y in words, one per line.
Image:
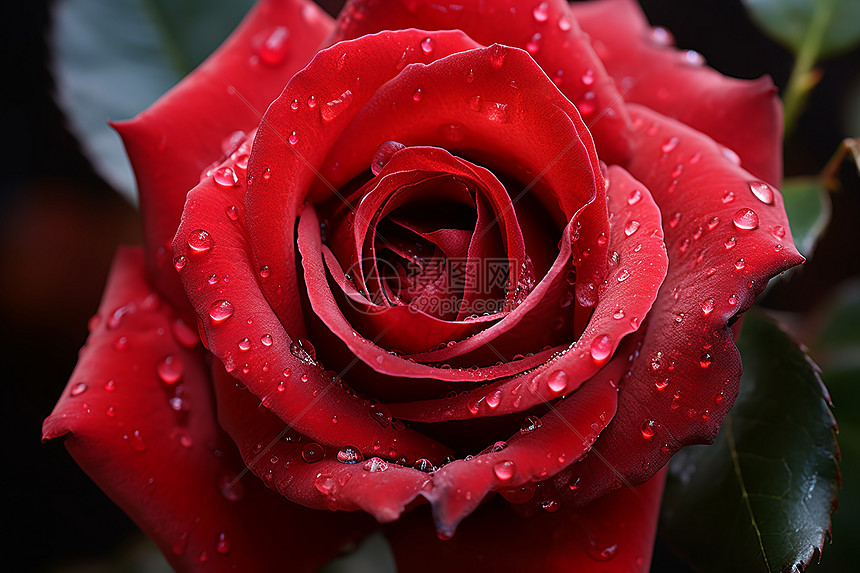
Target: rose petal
column 308, row 473
column 547, row 30
column 243, row 332
column 623, row 300
column 137, row 415
column 614, row 533
column 292, row 143
column 675, row 83
column 687, row 373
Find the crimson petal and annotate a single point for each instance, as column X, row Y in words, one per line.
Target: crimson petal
column 242, row 331
column 675, row 83
column 191, row 126
column 548, row 31
column 727, row 235
column 138, row 416
column 614, row 534
column 630, row 289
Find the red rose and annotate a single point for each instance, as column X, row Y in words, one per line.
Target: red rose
column 434, row 270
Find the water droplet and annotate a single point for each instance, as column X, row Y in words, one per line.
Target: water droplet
column 648, row 429
column 564, row 24
column 728, row 197
column 623, row 275
column 669, row 145
column 417, row 95
column 179, row 263
column 661, row 36
column 733, row 300
column 78, row 389
column 601, row 347
column 493, row 400
column 226, row 177
column 557, row 381
column 550, row 505
column 530, row 424
column 631, row 227
column 708, row 306
column 294, row 105
column 497, row 112
column 349, row 455
column 673, row 222
column 293, row 138
column 504, row 470
column 220, row 311
column 302, row 349
column 383, row 155
column 762, row 191
column 634, row 197
column 693, row 57
column 541, row 12
column 618, row 314
column 341, row 61
column 381, row 414
column 170, row 369
column 200, row 241
column 336, row 106
column 740, row 263
column 705, row 360
column 245, row 344
column 745, row 219
column 730, row 243
column 374, row 465
column 424, row 465
column 427, row 45
column 778, row 231
column 661, row 383
column 273, row 50
column 312, row 452
column 534, row 44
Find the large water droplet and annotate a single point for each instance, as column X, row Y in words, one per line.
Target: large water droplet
column 631, row 227
column 273, row 50
column 634, row 197
column 349, row 455
column 200, row 241
column 504, row 470
column 601, row 347
column 170, row 369
column 762, row 191
column 557, row 381
column 530, row 424
column 374, row 465
column 78, row 389
column 225, row 177
column 427, row 45
column 745, row 219
column 541, row 12
column 220, row 310
column 383, row 155
column 312, row 452
column 302, row 349
column 648, row 429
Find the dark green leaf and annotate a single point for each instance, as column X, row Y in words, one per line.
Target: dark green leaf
column 808, row 209
column 113, row 58
column 759, row 499
column 788, row 21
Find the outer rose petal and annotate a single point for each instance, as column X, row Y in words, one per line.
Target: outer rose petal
column 170, row 469
column 250, row 340
column 743, row 115
column 188, row 128
column 547, row 30
column 686, row 376
column 612, row 534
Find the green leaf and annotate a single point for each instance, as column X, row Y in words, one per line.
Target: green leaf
column 113, row 58
column 759, row 499
column 789, row 21
column 808, row 207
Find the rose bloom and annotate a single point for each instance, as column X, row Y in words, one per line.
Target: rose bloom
column 473, row 270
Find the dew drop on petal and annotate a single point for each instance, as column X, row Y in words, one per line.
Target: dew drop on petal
column 312, row 452
column 530, row 424
column 634, row 197
column 745, row 219
column 504, row 470
column 374, row 465
column 708, row 306
column 273, row 50
column 383, row 155
column 631, row 227
column 601, row 347
column 349, row 455
column 762, row 191
column 220, row 310
column 705, row 360
column 669, row 145
column 226, row 177
column 541, row 12
column 740, row 264
column 427, row 45
column 170, row 369
column 557, row 381
column 78, row 389
column 728, row 196
column 200, row 241
column 778, row 231
column 648, row 429
column 223, row 543
column 179, row 262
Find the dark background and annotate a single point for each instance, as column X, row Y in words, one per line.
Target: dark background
column 60, row 224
